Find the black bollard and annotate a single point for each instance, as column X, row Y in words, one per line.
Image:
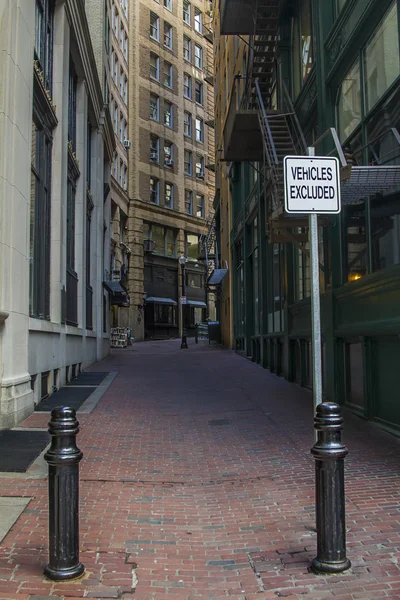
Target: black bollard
column 329, row 453
column 63, row 459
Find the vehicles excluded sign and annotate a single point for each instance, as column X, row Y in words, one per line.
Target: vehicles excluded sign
column 312, row 184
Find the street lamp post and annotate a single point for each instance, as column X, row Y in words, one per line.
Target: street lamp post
column 182, row 261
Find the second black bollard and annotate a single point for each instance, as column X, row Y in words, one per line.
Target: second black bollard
column 329, row 453
column 63, row 458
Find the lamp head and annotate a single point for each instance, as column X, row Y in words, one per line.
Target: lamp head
column 182, row 260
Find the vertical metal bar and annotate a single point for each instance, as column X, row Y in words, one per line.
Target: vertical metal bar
column 315, row 307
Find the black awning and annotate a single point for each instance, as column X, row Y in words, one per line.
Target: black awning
column 114, row 287
column 217, row 276
column 119, row 296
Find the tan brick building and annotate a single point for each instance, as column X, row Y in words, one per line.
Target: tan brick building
column 171, row 160
column 120, row 251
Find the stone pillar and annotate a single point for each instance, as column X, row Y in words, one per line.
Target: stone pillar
column 17, row 25
column 59, row 173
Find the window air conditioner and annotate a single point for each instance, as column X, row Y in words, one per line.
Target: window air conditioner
column 154, row 156
column 169, row 162
column 127, row 144
column 200, row 175
column 149, row 245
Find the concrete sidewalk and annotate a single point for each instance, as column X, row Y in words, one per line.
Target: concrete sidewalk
column 197, row 482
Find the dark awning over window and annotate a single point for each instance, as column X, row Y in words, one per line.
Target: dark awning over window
column 217, row 276
column 119, row 296
column 197, row 303
column 156, row 300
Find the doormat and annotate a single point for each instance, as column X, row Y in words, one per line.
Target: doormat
column 66, row 396
column 89, row 378
column 18, row 449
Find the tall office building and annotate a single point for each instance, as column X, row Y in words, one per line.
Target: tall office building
column 120, row 251
column 171, row 161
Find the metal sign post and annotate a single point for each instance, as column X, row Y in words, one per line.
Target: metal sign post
column 315, row 308
column 312, row 186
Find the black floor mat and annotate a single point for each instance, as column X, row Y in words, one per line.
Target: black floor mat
column 89, row 378
column 66, row 396
column 18, row 449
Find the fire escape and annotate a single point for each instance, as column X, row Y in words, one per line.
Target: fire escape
column 255, row 130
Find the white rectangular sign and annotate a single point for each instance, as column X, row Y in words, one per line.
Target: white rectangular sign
column 183, row 299
column 312, row 184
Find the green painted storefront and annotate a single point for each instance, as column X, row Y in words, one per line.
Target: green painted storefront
column 347, row 78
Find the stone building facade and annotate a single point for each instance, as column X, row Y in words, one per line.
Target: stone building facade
column 57, row 145
column 171, row 161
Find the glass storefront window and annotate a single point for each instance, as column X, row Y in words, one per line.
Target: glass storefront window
column 385, row 232
column 349, row 104
column 381, row 58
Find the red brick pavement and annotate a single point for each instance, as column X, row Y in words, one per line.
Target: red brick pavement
column 175, row 507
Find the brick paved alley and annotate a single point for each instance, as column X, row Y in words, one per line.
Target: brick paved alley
column 197, row 482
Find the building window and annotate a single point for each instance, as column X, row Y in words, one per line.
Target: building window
column 121, row 38
column 154, row 148
column 154, row 66
column 167, row 35
column 125, row 186
column 43, row 52
column 198, row 20
column 115, row 166
column 72, row 105
column 200, row 206
column 187, row 86
column 167, row 74
column 154, row 107
column 40, row 211
column 187, row 54
column 188, row 159
column 168, row 154
column 349, row 105
column 167, row 114
column 121, row 128
column 188, row 202
column 168, row 195
column 121, row 83
column 154, row 190
column 187, row 124
column 116, row 24
column 116, row 70
column 192, row 246
column 116, row 113
column 198, row 56
column 126, row 90
column 164, row 240
column 381, row 58
column 168, row 4
column 199, row 130
column 302, row 50
column 186, row 12
column 121, row 173
column 154, row 27
column 198, row 92
column 199, row 166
